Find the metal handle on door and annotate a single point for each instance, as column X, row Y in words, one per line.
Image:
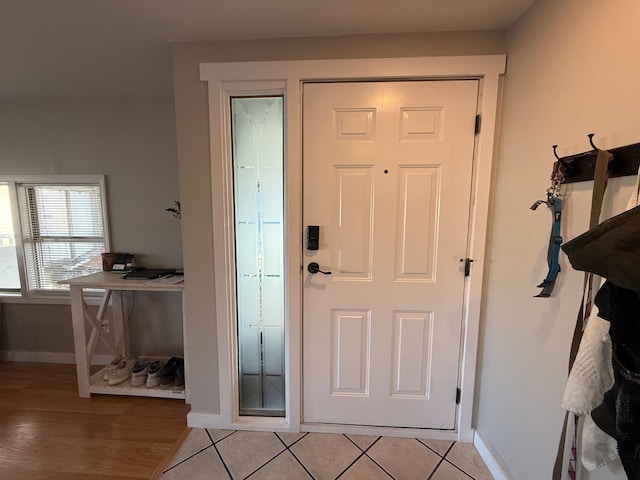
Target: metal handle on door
column 313, row 267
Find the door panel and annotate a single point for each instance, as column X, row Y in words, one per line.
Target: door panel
column 412, row 345
column 387, row 177
column 350, row 352
column 416, row 222
column 352, row 251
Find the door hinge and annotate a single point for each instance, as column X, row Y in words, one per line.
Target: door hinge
column 458, row 396
column 477, row 127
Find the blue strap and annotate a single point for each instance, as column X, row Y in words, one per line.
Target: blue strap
column 555, row 240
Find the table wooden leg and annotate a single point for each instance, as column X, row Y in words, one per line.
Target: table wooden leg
column 80, row 341
column 185, row 354
column 118, row 322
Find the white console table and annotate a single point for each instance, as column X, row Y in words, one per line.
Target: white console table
column 114, row 340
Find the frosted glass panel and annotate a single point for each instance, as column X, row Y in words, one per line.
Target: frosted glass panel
column 257, row 130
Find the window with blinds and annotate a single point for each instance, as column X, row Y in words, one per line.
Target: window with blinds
column 61, row 232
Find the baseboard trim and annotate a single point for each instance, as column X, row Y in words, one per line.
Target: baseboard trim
column 489, row 458
column 50, row 357
column 204, row 420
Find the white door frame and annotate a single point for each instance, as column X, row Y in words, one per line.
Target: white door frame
column 287, row 77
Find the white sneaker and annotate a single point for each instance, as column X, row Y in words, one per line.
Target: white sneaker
column 139, row 373
column 114, row 363
column 153, row 379
column 121, row 373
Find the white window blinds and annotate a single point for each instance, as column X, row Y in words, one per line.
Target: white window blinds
column 63, row 232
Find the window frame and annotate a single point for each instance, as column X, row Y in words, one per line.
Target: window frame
column 14, row 183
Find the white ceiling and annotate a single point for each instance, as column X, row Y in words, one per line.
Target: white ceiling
column 59, row 48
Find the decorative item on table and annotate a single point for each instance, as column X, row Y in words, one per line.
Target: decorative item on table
column 117, row 262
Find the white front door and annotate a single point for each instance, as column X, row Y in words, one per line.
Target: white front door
column 387, row 170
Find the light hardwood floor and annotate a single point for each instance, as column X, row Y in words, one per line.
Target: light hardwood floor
column 48, row 432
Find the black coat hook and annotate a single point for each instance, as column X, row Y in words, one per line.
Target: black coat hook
column 562, row 168
column 580, row 167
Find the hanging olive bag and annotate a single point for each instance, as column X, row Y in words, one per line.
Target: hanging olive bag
column 610, row 249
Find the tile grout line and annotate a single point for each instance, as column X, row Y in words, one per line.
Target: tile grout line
column 292, row 443
column 458, row 468
column 265, row 464
column 356, row 459
column 188, row 458
column 454, row 465
column 363, row 452
column 192, row 455
column 288, row 449
column 350, row 465
column 440, row 462
column 220, row 439
column 224, row 464
column 372, row 444
column 373, row 460
column 433, row 450
column 302, row 465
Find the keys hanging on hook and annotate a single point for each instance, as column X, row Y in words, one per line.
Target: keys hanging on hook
column 554, row 202
column 557, row 179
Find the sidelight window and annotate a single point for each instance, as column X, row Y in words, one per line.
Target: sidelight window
column 257, row 141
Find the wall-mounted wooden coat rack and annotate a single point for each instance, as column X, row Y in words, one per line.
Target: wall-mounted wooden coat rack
column 580, row 167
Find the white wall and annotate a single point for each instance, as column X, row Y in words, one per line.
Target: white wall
column 572, row 69
column 132, row 142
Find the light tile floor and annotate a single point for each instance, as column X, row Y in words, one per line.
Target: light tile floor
column 209, row 454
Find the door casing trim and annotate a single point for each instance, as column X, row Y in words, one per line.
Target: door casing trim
column 226, row 79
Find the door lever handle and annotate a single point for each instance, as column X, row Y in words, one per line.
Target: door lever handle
column 313, row 267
